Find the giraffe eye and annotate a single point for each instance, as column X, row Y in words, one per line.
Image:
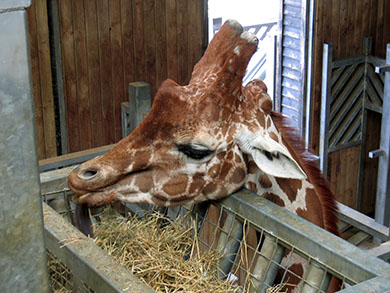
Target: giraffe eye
column 195, row 152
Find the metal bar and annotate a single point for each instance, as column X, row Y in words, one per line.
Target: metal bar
column 363, row 222
column 378, row 284
column 266, row 267
column 23, row 265
column 325, row 107
column 325, row 247
column 376, row 154
column 125, row 113
column 140, row 102
column 316, row 279
column 85, row 259
column 382, row 205
column 229, row 242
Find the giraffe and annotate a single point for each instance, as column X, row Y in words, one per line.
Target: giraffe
column 208, row 139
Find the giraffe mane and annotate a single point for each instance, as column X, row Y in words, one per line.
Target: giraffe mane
column 307, row 161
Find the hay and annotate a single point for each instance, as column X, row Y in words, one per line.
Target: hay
column 163, row 253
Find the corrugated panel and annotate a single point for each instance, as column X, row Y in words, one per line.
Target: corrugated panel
column 292, row 60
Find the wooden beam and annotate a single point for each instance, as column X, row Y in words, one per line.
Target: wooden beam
column 73, row 158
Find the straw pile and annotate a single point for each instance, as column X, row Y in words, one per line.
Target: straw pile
column 163, row 253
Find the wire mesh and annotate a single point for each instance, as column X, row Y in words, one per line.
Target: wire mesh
column 254, row 258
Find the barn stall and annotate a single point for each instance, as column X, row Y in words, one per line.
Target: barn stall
column 319, row 259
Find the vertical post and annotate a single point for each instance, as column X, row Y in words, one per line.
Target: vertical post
column 382, row 206
column 367, row 46
column 140, row 102
column 325, row 97
column 22, row 251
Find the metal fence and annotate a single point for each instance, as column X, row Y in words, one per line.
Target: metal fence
column 254, row 235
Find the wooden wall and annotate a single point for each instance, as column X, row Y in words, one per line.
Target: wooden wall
column 107, row 44
column 344, row 24
column 38, row 32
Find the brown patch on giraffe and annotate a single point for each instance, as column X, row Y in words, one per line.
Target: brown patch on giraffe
column 289, row 186
column 252, row 187
column 312, row 204
column 264, row 181
column 261, row 118
column 176, row 185
column 224, row 129
column 221, row 156
column 225, row 114
column 274, row 136
column 196, row 185
column 265, row 103
column 230, row 155
column 252, row 167
column 143, row 158
column 214, row 170
column 144, row 181
column 238, row 175
column 268, row 122
column 274, row 198
column 226, row 167
column 237, row 158
column 209, row 188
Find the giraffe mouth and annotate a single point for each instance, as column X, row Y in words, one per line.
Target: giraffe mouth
column 96, row 198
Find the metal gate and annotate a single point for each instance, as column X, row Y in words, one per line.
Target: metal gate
column 350, row 88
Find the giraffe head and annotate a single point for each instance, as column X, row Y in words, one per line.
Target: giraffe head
column 195, row 143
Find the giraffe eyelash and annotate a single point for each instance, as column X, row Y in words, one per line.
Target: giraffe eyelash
column 192, row 152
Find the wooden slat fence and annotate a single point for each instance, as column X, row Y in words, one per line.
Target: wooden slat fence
column 108, row 44
column 104, row 46
column 44, row 113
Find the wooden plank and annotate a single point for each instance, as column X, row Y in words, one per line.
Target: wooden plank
column 359, row 238
column 370, row 165
column 117, row 66
column 335, row 26
column 149, row 12
column 182, row 42
column 73, row 158
column 68, row 57
column 139, row 49
column 106, row 72
column 380, row 46
column 161, row 42
column 82, row 74
column 382, row 251
column 343, row 169
column 172, row 39
column 94, row 82
column 195, row 40
column 35, row 78
column 46, row 79
column 128, row 43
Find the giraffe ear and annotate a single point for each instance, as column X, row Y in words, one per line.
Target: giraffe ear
column 271, row 157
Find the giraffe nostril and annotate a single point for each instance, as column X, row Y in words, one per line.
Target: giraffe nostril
column 88, row 174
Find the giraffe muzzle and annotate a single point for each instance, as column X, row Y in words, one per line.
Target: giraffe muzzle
column 92, row 177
